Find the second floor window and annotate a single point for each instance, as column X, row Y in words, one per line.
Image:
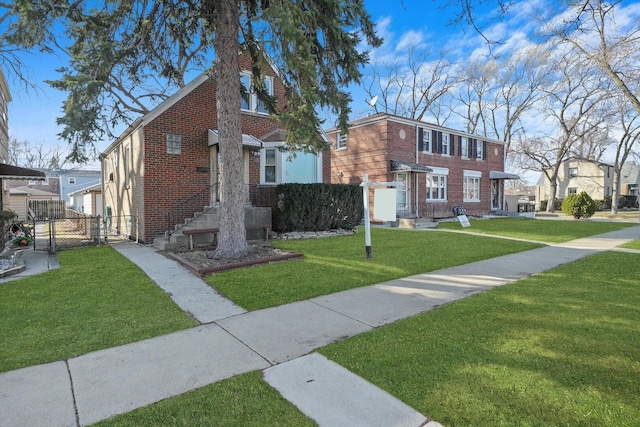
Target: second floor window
column 342, row 141
column 464, row 146
column 249, row 100
column 445, row 144
column 425, row 140
column 174, row 144
column 71, row 180
column 573, row 172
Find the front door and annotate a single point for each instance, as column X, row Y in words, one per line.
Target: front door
column 495, row 194
column 403, row 194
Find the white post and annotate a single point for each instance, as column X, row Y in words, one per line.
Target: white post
column 367, row 222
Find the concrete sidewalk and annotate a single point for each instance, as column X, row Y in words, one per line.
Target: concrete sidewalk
column 279, row 340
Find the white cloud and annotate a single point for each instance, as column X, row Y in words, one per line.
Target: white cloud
column 411, row 40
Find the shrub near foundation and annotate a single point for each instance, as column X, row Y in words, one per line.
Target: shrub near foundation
column 579, row 205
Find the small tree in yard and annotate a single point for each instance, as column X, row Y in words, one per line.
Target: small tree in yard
column 579, row 205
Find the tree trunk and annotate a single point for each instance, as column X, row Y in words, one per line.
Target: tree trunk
column 553, row 190
column 232, row 242
column 616, row 190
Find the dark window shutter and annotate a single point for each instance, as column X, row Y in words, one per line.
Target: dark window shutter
column 451, row 144
column 460, row 146
column 484, row 150
column 474, row 148
column 434, row 141
column 439, row 142
column 420, row 139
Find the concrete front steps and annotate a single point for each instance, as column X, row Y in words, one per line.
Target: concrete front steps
column 208, row 219
column 417, row 223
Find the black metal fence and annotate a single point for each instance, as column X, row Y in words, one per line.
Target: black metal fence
column 74, row 231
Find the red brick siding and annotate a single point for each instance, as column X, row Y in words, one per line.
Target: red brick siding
column 172, row 179
column 370, row 147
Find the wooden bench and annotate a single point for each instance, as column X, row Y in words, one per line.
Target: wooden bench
column 216, row 230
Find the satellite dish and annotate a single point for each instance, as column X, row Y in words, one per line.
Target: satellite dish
column 372, row 101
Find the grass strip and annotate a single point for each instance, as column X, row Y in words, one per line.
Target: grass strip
column 335, row 264
column 634, row 244
column 559, row 348
column 96, row 299
column 539, row 230
column 245, row 400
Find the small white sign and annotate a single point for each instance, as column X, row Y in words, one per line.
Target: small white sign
column 384, row 204
column 464, row 221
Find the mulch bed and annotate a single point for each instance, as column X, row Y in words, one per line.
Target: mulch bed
column 201, row 262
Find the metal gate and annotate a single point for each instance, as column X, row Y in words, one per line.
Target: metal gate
column 74, row 231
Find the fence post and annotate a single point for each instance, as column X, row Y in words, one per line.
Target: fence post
column 52, row 226
column 98, row 228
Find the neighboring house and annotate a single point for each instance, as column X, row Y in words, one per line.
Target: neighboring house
column 20, row 197
column 576, row 175
column 88, row 200
column 72, row 180
column 165, row 166
column 629, row 179
column 441, row 169
column 7, row 171
column 50, row 184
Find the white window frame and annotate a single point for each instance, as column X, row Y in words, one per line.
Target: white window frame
column 71, row 180
column 127, row 167
column 445, row 144
column 572, row 190
column 427, row 146
column 264, row 165
column 479, row 147
column 281, row 163
column 341, row 141
column 464, row 147
column 571, row 174
column 174, row 144
column 254, row 105
column 471, row 186
column 439, row 177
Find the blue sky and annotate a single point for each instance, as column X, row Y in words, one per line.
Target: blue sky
column 32, row 114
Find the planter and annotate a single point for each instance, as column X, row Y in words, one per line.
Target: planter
column 23, row 243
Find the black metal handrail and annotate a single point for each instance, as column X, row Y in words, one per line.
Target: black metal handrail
column 413, row 210
column 255, row 195
column 188, row 207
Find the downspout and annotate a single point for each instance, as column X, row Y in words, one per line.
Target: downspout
column 415, row 186
column 504, row 161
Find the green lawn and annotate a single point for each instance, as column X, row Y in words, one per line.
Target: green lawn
column 338, row 263
column 245, row 400
column 97, row 299
column 634, row 244
column 559, row 348
column 539, row 230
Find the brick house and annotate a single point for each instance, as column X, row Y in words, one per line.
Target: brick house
column 164, row 167
column 440, row 168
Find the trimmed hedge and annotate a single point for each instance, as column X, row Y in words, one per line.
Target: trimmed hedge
column 318, row 207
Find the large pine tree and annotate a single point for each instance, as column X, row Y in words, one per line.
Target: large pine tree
column 115, row 45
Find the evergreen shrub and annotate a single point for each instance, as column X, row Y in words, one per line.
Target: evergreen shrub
column 318, row 207
column 579, row 205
